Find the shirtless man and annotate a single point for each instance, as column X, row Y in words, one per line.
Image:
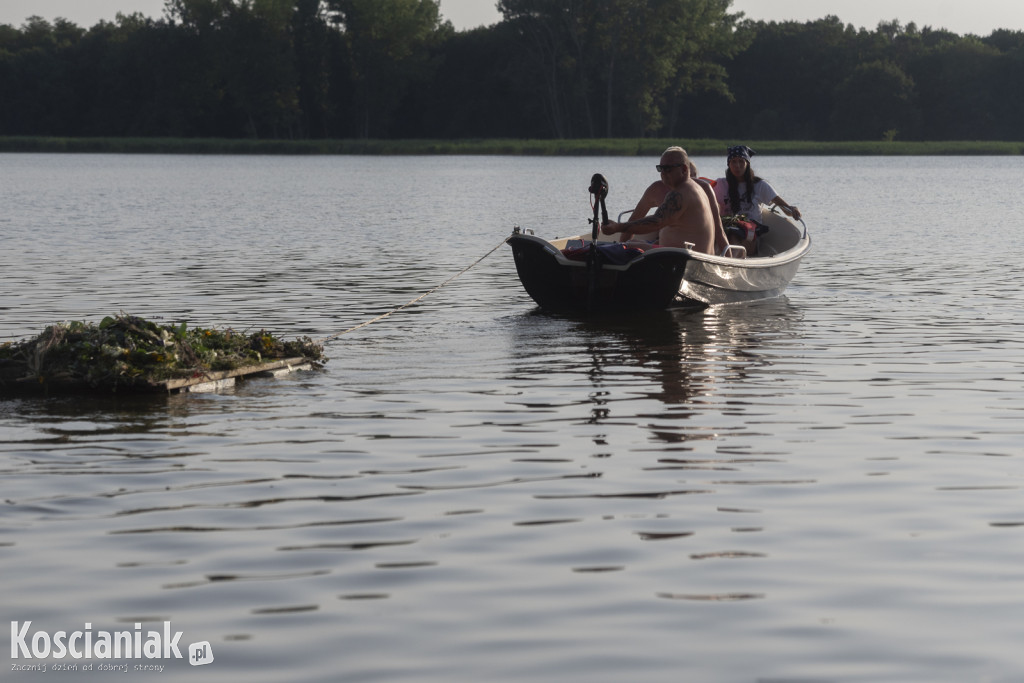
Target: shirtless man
column 687, row 211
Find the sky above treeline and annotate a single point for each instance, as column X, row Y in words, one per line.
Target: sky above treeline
column 979, row 17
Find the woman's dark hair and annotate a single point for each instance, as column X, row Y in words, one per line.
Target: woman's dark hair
column 734, row 190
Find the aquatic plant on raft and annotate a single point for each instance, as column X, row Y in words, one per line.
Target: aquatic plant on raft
column 129, row 351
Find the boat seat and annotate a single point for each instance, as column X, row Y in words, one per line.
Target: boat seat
column 616, row 253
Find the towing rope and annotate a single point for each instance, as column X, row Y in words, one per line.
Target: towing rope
column 410, row 303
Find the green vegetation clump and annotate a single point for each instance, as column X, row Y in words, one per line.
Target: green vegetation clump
column 128, row 351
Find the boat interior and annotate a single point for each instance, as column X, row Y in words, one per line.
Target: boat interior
column 782, row 235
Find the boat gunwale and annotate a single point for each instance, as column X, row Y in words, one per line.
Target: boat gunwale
column 797, row 251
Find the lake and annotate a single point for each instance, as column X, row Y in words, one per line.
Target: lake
column 822, row 487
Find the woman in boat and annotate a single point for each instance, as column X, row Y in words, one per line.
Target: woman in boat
column 742, row 192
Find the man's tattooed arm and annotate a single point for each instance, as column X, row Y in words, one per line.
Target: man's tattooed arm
column 671, row 206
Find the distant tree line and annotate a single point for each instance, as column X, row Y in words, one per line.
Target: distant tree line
column 310, row 69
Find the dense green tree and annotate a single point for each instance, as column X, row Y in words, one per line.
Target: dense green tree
column 258, row 68
column 389, row 46
column 1006, row 41
column 1007, row 70
column 711, row 39
column 552, row 54
column 113, row 84
column 479, row 91
column 40, row 69
column 622, row 58
column 311, row 42
column 960, row 88
column 550, row 68
column 246, row 68
column 783, row 82
column 656, row 50
column 876, row 101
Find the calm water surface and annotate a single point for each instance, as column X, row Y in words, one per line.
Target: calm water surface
column 825, row 487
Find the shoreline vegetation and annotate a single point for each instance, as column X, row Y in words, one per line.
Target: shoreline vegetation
column 498, row 147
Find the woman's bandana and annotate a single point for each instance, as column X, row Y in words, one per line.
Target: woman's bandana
column 741, row 151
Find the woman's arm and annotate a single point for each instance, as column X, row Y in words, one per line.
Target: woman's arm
column 790, row 209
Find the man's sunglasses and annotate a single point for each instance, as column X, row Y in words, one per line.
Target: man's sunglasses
column 665, row 168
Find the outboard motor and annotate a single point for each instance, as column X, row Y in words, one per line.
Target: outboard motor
column 599, row 190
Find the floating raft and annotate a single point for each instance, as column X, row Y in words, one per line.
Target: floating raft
column 202, row 383
column 127, row 354
column 226, row 378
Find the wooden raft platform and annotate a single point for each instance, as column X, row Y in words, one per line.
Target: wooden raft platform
column 199, row 383
column 212, row 381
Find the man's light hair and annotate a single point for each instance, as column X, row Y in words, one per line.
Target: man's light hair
column 691, row 167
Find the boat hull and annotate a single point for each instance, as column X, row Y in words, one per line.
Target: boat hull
column 726, row 283
column 557, row 283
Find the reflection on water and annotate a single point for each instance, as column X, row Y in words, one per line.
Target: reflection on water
column 821, row 487
column 670, row 364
